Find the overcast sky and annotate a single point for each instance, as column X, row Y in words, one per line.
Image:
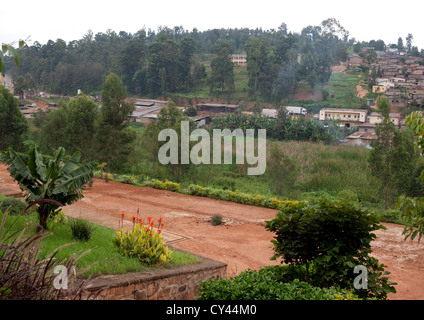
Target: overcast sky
column 44, row 20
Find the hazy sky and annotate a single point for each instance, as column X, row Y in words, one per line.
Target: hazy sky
column 44, row 20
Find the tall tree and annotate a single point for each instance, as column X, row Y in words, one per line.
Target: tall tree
column 132, row 60
column 400, row 44
column 113, row 140
column 222, row 69
column 257, row 56
column 393, row 157
column 185, row 59
column 82, row 114
column 409, row 42
column 114, row 110
column 163, row 67
column 13, row 124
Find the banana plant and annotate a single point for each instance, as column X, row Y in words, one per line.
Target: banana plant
column 55, row 179
column 8, row 49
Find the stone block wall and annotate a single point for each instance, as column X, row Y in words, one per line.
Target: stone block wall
column 179, row 283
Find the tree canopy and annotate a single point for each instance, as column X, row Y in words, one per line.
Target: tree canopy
column 165, row 61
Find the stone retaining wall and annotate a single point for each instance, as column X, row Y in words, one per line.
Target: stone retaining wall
column 179, row 283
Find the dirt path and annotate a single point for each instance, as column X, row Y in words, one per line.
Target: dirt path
column 242, row 242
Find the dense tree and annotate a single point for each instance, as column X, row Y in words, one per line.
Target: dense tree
column 113, row 140
column 80, row 129
column 185, row 59
column 393, row 157
column 163, row 67
column 169, row 117
column 13, row 124
column 400, row 46
column 114, row 109
column 222, row 73
column 409, row 42
column 132, row 60
column 257, row 57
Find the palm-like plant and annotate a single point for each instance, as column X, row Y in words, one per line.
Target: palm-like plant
column 50, row 185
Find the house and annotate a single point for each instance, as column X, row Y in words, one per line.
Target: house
column 396, row 98
column 150, row 103
column 239, row 59
column 346, row 117
column 217, row 108
column 379, row 89
column 202, row 120
column 360, row 138
column 354, row 60
column 144, row 115
column 366, row 127
column 375, row 118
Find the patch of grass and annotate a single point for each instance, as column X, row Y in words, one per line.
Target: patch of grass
column 103, row 257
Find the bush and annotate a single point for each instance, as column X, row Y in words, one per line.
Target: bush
column 269, row 283
column 81, row 229
column 13, row 205
column 164, row 185
column 237, row 196
column 216, row 220
column 143, row 243
column 333, row 236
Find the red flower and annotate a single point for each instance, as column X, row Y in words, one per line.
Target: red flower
column 159, row 231
column 149, row 218
column 122, row 214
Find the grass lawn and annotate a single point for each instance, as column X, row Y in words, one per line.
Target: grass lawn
column 103, row 257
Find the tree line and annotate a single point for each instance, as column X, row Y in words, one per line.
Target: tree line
column 173, row 60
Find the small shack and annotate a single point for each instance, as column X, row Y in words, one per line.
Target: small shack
column 217, row 108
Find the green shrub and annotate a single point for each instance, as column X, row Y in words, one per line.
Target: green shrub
column 347, row 195
column 216, row 220
column 144, row 243
column 334, row 236
column 13, row 205
column 269, row 283
column 164, row 185
column 81, row 229
column 236, row 196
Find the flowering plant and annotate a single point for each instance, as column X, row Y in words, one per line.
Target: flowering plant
column 144, row 241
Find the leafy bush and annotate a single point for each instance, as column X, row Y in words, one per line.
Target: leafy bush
column 144, row 243
column 237, row 196
column 164, row 185
column 216, row 220
column 269, row 283
column 81, row 229
column 333, row 236
column 13, row 205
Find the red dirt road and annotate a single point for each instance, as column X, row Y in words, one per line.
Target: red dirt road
column 242, row 242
